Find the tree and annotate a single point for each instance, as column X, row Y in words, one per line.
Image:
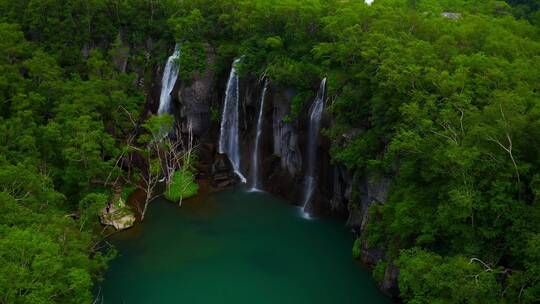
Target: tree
column 429, row 278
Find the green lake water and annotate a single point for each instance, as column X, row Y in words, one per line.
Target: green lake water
column 236, row 247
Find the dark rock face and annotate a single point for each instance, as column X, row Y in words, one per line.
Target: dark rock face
column 221, row 173
column 372, row 190
column 341, row 188
column 195, row 99
column 283, row 145
column 283, row 155
column 147, row 76
column 390, row 281
column 334, row 188
column 285, row 172
column 285, row 134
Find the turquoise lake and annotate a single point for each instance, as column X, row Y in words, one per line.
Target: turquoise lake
column 236, row 247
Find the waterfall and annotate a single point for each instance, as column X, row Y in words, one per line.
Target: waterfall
column 170, row 74
column 315, row 114
column 228, row 138
column 255, row 182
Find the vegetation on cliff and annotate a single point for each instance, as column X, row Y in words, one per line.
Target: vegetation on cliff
column 448, row 108
column 182, row 186
column 69, row 115
column 446, row 105
column 57, row 149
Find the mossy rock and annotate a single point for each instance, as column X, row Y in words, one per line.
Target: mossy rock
column 119, row 215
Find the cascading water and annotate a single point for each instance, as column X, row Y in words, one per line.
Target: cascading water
column 315, row 114
column 228, row 138
column 255, row 182
column 170, row 75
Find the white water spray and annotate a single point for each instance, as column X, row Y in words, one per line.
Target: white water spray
column 315, row 114
column 255, row 178
column 228, row 138
column 170, row 75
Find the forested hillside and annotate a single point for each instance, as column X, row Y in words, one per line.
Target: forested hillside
column 447, row 108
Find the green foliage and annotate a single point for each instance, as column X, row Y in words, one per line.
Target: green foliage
column 63, row 117
column 126, row 192
column 450, row 109
column 44, row 254
column 379, row 271
column 182, row 186
column 532, row 265
column 215, row 115
column 298, row 103
column 433, row 102
column 157, row 126
column 356, row 249
column 90, row 207
column 192, row 60
column 429, row 278
column 189, row 28
column 274, row 43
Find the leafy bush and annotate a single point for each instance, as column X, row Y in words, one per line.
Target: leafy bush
column 426, row 277
column 126, row 192
column 356, row 249
column 379, row 270
column 182, row 186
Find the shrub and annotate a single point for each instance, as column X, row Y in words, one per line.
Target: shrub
column 356, row 249
column 182, row 186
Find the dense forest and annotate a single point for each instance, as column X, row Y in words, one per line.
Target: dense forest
column 446, row 106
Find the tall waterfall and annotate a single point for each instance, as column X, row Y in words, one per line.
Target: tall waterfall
column 255, row 180
column 170, row 74
column 315, row 114
column 228, row 138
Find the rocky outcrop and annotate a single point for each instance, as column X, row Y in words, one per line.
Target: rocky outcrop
column 453, row 16
column 283, row 147
column 371, row 190
column 285, row 170
column 118, row 215
column 389, row 283
column 285, row 134
column 341, row 188
column 195, row 98
column 222, row 175
column 283, row 155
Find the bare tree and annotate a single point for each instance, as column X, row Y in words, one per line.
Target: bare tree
column 163, row 155
column 149, row 178
column 177, row 156
column 148, row 184
column 508, row 146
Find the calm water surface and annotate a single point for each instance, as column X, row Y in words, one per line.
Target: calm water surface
column 236, row 247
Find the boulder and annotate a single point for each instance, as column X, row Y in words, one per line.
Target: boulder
column 453, row 16
column 118, row 215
